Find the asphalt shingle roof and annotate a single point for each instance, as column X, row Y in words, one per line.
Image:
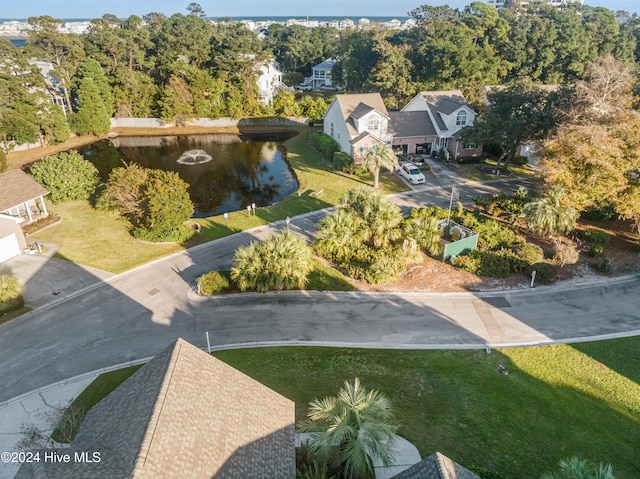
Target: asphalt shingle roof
column 185, row 414
column 436, row 466
column 16, row 187
column 409, row 124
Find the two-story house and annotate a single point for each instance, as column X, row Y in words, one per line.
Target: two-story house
column 270, row 81
column 434, row 121
column 321, row 74
column 358, row 121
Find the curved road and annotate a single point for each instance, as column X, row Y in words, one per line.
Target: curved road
column 137, row 314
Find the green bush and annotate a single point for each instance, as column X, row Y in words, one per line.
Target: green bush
column 492, row 235
column 604, row 265
column 68, row 176
column 469, row 263
column 214, row 282
column 376, row 265
column 601, row 212
column 343, row 162
column 282, row 261
column 598, row 240
column 545, row 273
column 530, row 253
column 516, row 263
column 10, row 294
column 178, row 234
column 482, row 263
column 325, row 145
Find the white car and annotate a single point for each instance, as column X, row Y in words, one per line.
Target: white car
column 411, row 173
column 304, row 87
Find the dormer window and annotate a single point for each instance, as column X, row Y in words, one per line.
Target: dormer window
column 461, row 119
column 373, row 124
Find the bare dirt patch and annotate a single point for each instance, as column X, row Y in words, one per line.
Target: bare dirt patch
column 435, row 276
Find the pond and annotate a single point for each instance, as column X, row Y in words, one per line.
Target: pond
column 225, row 172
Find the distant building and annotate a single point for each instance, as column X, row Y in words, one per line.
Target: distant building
column 392, row 24
column 269, row 81
column 321, row 74
column 554, row 3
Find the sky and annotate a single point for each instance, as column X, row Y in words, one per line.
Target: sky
column 244, row 8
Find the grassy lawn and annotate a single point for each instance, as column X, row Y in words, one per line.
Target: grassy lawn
column 90, row 237
column 556, row 401
column 99, row 239
column 470, row 171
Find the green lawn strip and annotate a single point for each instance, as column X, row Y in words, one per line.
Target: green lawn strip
column 101, row 239
column 14, row 314
column 470, row 171
column 556, row 401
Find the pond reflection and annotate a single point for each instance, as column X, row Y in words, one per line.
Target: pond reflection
column 225, row 172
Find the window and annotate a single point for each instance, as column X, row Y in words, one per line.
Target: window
column 373, row 124
column 469, row 146
column 332, row 130
column 461, row 119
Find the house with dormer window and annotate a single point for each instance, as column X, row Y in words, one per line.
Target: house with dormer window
column 435, row 121
column 358, row 121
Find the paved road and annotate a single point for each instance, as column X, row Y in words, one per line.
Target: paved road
column 135, row 315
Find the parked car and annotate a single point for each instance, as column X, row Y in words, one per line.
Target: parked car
column 328, row 88
column 411, row 173
column 304, row 87
column 417, row 159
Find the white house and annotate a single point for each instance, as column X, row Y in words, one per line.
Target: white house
column 358, row 121
column 321, row 74
column 269, row 81
column 434, row 120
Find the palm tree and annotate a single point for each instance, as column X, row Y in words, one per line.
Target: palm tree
column 376, row 157
column 424, row 232
column 381, row 218
column 280, row 262
column 341, row 233
column 575, row 468
column 355, row 426
column 549, row 216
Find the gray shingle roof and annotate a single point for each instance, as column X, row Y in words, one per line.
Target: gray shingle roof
column 186, row 414
column 446, row 101
column 409, row 124
column 16, row 187
column 436, row 466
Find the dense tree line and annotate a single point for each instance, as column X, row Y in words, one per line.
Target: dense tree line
column 184, row 66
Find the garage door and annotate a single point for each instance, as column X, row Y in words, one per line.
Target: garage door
column 9, row 247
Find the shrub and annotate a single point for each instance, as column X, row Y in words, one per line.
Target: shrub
column 492, row 235
column 343, row 162
column 482, row 263
column 604, row 265
column 601, row 212
column 469, row 263
column 10, row 297
column 279, row 262
column 545, row 273
column 530, row 253
column 598, row 239
column 516, row 264
column 214, row 282
column 565, row 253
column 68, row 176
column 325, row 145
